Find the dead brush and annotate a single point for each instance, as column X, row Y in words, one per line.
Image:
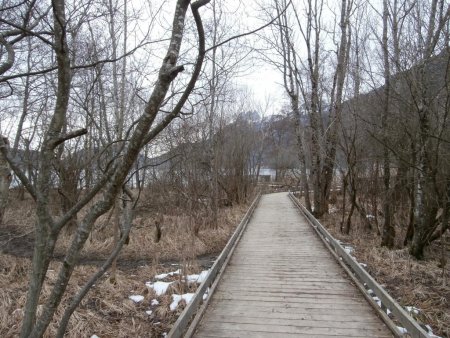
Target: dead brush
column 107, row 310
column 410, row 282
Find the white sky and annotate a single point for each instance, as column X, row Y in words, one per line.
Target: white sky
column 264, row 82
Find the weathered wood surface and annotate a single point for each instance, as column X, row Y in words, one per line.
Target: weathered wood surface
column 282, row 282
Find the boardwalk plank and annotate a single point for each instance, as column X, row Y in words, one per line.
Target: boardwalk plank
column 302, row 323
column 281, row 330
column 282, row 282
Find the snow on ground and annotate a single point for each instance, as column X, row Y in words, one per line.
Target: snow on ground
column 202, row 276
column 165, row 275
column 187, row 297
column 348, row 249
column 205, row 295
column 159, row 287
column 430, row 332
column 95, row 336
column 412, row 310
column 197, row 278
column 402, row 330
column 377, row 300
column 136, row 298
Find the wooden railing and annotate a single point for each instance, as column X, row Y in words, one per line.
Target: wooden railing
column 365, row 281
column 183, row 327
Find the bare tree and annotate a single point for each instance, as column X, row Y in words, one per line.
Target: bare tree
column 5, row 179
column 388, row 233
column 291, row 82
column 426, row 207
column 110, row 183
column 307, row 77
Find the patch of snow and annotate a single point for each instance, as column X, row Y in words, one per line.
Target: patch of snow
column 430, row 332
column 197, row 278
column 364, row 265
column 388, row 312
column 154, row 302
column 370, row 216
column 412, row 309
column 432, row 335
column 149, row 312
column 205, row 295
column 161, row 276
column 370, row 291
column 164, row 275
column 202, row 276
column 95, row 336
column 136, row 298
column 159, row 287
column 164, row 334
column 191, row 278
column 377, row 300
column 402, row 330
column 187, row 297
column 348, row 249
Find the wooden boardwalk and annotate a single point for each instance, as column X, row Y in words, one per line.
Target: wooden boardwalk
column 282, row 282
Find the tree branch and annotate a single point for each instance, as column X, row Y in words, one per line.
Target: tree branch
column 68, row 136
column 251, row 32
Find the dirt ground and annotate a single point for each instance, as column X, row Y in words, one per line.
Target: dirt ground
column 107, row 310
column 423, row 284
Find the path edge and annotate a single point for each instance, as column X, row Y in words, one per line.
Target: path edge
column 360, row 276
column 197, row 305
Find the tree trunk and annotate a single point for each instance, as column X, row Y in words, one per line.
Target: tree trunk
column 426, row 208
column 326, row 173
column 388, row 232
column 108, row 186
column 5, row 177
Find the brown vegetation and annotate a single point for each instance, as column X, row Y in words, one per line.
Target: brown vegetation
column 423, row 284
column 107, row 311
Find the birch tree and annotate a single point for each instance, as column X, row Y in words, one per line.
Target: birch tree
column 307, row 76
column 427, row 207
column 291, row 80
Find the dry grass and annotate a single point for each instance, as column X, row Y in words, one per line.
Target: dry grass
column 177, row 239
column 410, row 282
column 107, row 311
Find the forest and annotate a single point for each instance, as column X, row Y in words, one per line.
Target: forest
column 124, row 121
